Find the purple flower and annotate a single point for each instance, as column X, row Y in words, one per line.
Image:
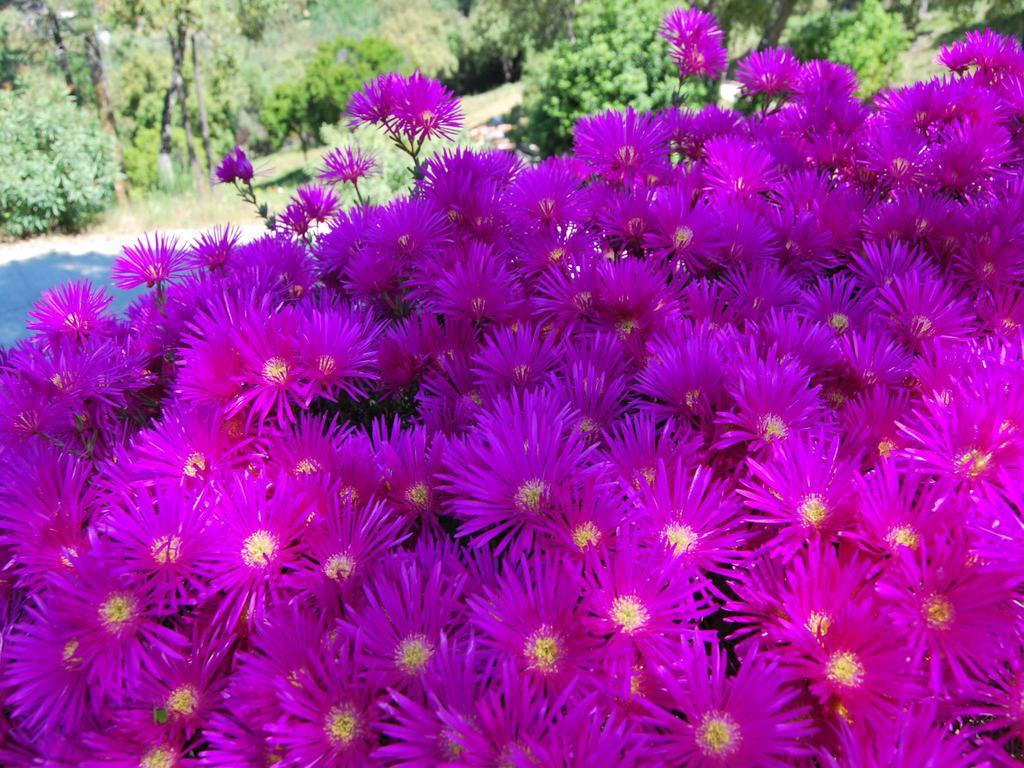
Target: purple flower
column 696, row 41
column 770, row 72
column 347, row 166
column 414, row 107
column 235, row 166
column 73, row 311
column 702, row 445
column 622, row 146
column 150, row 262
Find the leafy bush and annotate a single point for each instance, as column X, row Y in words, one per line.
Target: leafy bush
column 57, row 167
column 299, row 107
column 615, row 59
column 869, row 39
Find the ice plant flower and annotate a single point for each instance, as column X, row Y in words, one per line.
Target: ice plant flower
column 696, row 42
column 149, row 262
column 698, row 446
column 234, row 167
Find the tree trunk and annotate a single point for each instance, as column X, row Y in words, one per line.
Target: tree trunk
column 60, row 49
column 186, row 125
column 98, row 76
column 204, row 123
column 783, row 9
column 165, row 165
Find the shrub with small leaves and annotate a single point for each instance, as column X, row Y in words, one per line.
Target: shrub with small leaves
column 57, row 171
column 869, row 39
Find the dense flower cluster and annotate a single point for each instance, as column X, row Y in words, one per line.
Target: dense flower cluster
column 700, row 447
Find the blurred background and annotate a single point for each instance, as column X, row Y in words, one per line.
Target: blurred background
column 114, row 113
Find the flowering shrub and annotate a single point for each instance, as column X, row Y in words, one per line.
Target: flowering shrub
column 699, row 447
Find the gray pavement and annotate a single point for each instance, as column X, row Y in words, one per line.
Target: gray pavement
column 30, row 267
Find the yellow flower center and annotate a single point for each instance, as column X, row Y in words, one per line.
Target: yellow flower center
column 349, row 494
column 921, row 326
column 681, row 537
column 118, row 610
column 166, row 549
column 69, row 655
column 259, row 549
column 973, row 462
column 903, row 536
column 306, row 466
column 718, row 735
column 530, row 494
column 342, row 725
column 939, row 612
column 813, row 510
column 339, row 566
column 682, row 237
column 844, row 668
column 626, row 327
column 771, row 428
column 413, row 654
column 326, row 364
column 586, row 535
column 886, row 447
column 544, row 650
column 819, row 623
column 194, row 464
column 159, row 757
column 418, row 495
column 275, row 370
column 629, row 613
column 838, row 322
column 626, row 154
column 183, row 700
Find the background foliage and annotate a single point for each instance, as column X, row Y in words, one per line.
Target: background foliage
column 615, row 59
column 273, row 72
column 55, row 161
column 869, row 39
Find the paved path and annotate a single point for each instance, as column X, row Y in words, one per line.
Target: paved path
column 28, row 268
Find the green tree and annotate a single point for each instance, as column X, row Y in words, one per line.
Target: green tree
column 299, row 107
column 507, row 29
column 616, row 59
column 426, row 32
column 869, row 39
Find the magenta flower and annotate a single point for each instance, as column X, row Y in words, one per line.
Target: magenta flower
column 696, row 42
column 72, row 311
column 770, row 72
column 622, row 146
column 699, row 446
column 255, row 542
column 235, row 166
column 531, row 618
column 214, row 249
column 150, row 262
column 711, row 719
column 347, row 166
column 413, row 108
